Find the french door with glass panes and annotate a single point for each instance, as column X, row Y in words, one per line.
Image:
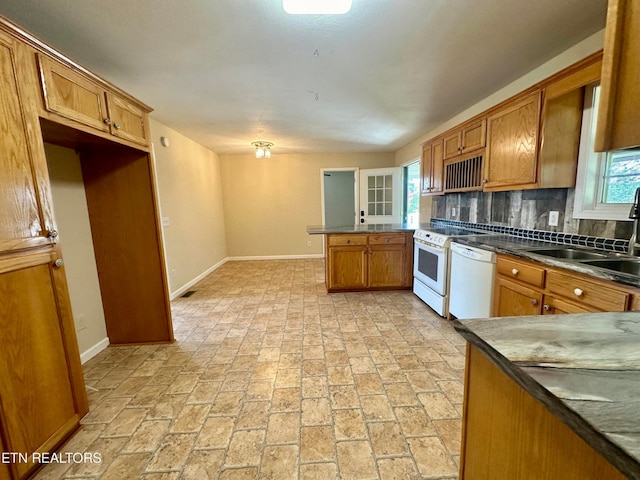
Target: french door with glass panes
column 381, row 195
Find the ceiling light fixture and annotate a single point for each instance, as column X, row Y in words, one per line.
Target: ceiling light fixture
column 316, row 7
column 263, row 149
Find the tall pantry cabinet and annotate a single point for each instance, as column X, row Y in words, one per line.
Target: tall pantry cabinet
column 42, row 392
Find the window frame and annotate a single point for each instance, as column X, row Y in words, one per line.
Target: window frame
column 590, row 173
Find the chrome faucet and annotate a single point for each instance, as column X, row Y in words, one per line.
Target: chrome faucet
column 634, row 214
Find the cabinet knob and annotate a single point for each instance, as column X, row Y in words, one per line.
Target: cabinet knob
column 485, row 180
column 534, row 301
column 58, row 263
column 106, row 121
column 348, row 241
column 514, row 271
column 546, row 307
column 53, row 234
column 387, row 240
column 577, row 292
column 116, row 126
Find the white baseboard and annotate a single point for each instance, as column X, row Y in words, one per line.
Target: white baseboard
column 192, row 282
column 93, row 351
column 278, row 257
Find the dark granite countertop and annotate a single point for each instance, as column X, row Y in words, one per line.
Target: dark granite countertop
column 585, row 368
column 525, row 248
column 364, row 228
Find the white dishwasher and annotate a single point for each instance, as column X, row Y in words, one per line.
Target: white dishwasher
column 471, row 281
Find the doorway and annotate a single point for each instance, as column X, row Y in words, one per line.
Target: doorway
column 339, row 188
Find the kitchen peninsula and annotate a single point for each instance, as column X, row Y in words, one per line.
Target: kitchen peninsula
column 367, row 256
column 552, row 397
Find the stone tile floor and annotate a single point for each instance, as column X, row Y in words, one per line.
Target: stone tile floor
column 270, row 377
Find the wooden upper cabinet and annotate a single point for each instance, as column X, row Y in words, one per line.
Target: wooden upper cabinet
column 23, row 222
column 452, row 144
column 72, row 95
column 432, row 168
column 618, row 119
column 127, row 121
column 512, row 145
column 467, row 139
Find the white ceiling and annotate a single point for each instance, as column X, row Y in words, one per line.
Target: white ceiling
column 228, row 72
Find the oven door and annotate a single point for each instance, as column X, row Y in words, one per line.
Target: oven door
column 430, row 266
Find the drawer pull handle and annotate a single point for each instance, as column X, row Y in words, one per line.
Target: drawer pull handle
column 387, row 240
column 534, row 301
column 348, row 241
column 577, row 292
column 514, row 271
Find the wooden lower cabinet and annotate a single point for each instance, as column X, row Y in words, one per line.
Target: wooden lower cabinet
column 347, row 267
column 527, row 288
column 369, row 261
column 42, row 396
column 511, row 299
column 554, row 306
column 386, row 266
column 508, row 434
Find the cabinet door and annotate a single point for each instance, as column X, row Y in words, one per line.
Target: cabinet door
column 618, row 119
column 432, row 168
column 512, row 299
column 22, row 217
column 425, row 167
column 386, row 265
column 127, row 120
column 474, row 136
column 347, row 267
column 437, row 168
column 39, row 359
column 512, row 145
column 554, row 306
column 452, row 145
column 71, row 95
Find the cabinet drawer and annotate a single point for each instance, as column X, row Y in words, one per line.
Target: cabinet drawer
column 335, row 240
column 522, row 272
column 387, row 239
column 588, row 292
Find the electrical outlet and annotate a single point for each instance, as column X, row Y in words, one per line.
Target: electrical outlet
column 173, row 273
column 554, row 215
column 79, row 320
column 453, row 212
column 308, row 243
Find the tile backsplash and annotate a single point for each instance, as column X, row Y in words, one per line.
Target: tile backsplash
column 526, row 209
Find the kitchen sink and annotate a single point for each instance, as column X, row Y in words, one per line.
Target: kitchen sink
column 622, row 265
column 568, row 253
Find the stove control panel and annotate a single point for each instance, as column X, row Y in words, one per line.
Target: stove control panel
column 430, row 237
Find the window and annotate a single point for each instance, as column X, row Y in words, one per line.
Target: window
column 411, row 177
column 606, row 182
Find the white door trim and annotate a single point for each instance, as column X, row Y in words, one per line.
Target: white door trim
column 356, row 188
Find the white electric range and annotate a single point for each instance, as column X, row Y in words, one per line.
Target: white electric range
column 431, row 264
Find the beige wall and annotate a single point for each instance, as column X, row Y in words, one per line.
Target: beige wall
column 190, row 195
column 72, row 218
column 268, row 203
column 568, row 57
